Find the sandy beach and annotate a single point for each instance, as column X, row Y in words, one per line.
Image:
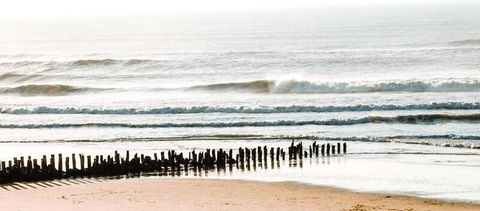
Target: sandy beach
column 202, row 194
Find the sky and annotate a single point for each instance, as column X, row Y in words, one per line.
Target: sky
column 25, row 9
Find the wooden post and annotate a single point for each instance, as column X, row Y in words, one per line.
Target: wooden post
column 323, row 149
column 89, row 162
column 333, row 149
column 74, row 162
column 328, row 149
column 60, row 163
column 117, row 157
column 310, row 151
column 272, row 154
column 67, row 164
column 44, row 162
column 338, row 148
column 82, row 162
column 265, row 154
column 259, row 149
column 254, row 156
column 35, row 165
column 29, row 164
column 344, row 147
column 248, row 156
column 52, row 163
column 300, row 150
column 230, row 156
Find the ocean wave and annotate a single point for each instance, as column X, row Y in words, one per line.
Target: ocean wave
column 6, row 76
column 14, row 77
column 44, row 90
column 243, row 110
column 465, row 42
column 446, row 140
column 407, row 119
column 78, row 63
column 88, row 62
column 306, row 87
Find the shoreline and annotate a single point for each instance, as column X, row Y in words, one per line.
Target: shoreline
column 206, row 194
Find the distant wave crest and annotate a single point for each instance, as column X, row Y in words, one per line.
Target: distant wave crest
column 408, row 119
column 252, row 110
column 298, row 86
column 465, row 42
column 78, row 63
column 44, row 90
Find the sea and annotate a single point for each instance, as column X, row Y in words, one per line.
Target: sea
column 400, row 84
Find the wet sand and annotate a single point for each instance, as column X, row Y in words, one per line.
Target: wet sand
column 203, row 194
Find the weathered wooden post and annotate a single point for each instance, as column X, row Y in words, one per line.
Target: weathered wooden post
column 314, row 147
column 254, row 156
column 44, row 162
column 240, row 152
column 67, row 165
column 74, row 162
column 35, row 165
column 82, row 162
column 272, row 154
column 117, row 157
column 60, row 163
column 328, row 149
column 278, row 154
column 29, row 164
column 333, row 149
column 344, row 147
column 265, row 154
column 89, row 162
column 338, row 148
column 248, row 156
column 259, row 149
column 300, row 150
column 52, row 164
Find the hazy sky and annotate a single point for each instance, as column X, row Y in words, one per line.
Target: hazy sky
column 20, row 9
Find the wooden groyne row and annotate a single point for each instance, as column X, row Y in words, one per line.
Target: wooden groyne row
column 60, row 167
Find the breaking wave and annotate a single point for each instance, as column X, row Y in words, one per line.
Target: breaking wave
column 297, row 86
column 44, row 90
column 246, row 110
column 407, row 119
column 447, row 140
